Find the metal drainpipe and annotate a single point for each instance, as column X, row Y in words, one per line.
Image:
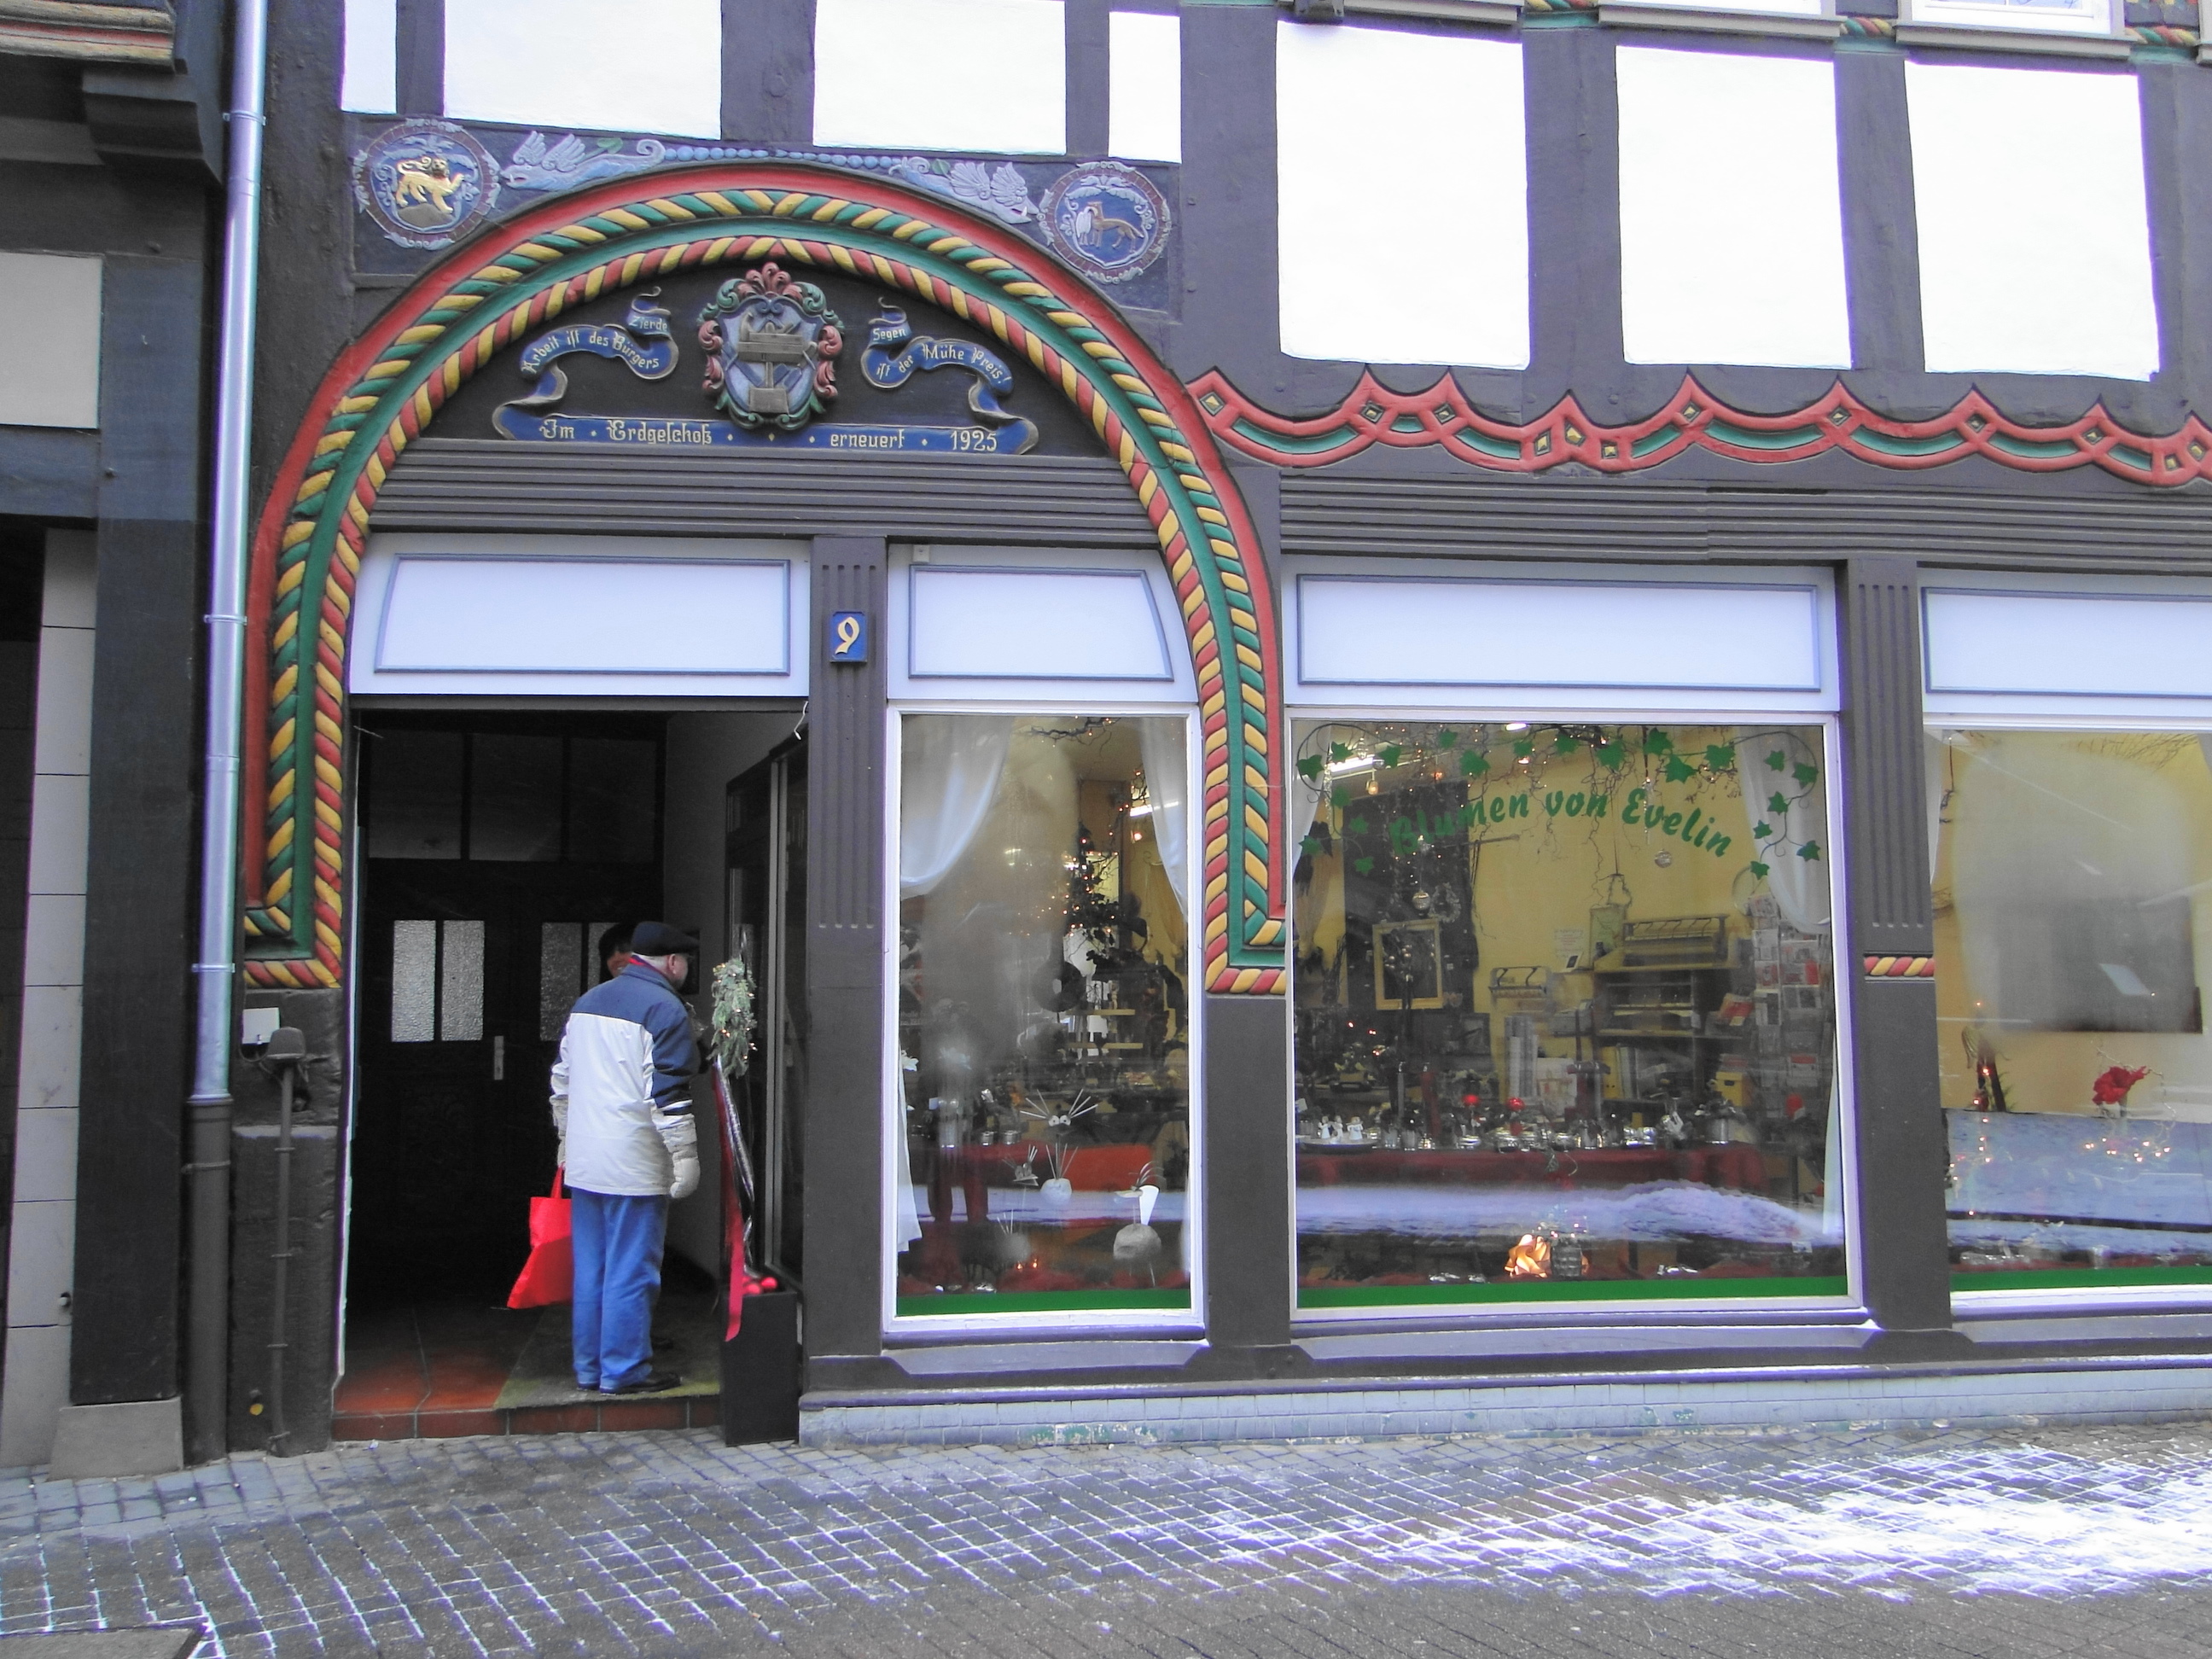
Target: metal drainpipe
column 207, row 1376
column 287, row 1052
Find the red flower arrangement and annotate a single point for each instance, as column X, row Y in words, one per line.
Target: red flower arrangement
column 2112, row 1086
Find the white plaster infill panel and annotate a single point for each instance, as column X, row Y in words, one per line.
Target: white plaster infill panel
column 978, row 75
column 1411, row 634
column 1144, row 103
column 1447, row 151
column 2034, row 231
column 1003, row 623
column 50, row 375
column 580, row 616
column 642, row 66
column 369, row 75
column 2123, row 648
column 1736, row 254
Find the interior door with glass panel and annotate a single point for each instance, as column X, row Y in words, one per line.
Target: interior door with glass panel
column 764, row 828
column 499, row 851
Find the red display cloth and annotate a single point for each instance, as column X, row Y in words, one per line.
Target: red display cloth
column 1743, row 1168
column 743, row 1282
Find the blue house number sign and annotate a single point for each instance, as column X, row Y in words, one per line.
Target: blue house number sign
column 848, row 636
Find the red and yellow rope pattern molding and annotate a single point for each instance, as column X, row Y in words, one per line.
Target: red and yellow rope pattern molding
column 1900, row 967
column 387, row 389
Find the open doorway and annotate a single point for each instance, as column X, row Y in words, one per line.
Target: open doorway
column 499, row 852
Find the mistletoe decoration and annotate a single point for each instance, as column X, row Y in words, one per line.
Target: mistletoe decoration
column 731, row 1032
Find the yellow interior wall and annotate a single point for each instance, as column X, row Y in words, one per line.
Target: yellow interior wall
column 1556, row 869
column 2052, row 1070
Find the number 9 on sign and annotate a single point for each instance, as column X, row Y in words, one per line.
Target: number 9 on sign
column 848, row 636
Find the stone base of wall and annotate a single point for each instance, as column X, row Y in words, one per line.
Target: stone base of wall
column 2108, row 1391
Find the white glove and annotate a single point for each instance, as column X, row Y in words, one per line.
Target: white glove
column 681, row 1136
column 559, row 1103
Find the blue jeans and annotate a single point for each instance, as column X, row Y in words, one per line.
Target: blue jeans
column 618, row 1242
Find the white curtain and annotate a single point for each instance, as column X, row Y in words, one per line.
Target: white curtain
column 1166, row 780
column 908, row 1218
column 1935, row 755
column 1800, row 885
column 950, row 766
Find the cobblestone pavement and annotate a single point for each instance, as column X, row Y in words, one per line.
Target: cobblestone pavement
column 2023, row 1544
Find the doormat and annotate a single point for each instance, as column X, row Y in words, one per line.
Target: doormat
column 545, row 1373
column 156, row 1642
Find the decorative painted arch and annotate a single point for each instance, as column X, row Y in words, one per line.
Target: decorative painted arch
column 385, row 390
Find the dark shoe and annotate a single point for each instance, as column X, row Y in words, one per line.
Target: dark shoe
column 651, row 1383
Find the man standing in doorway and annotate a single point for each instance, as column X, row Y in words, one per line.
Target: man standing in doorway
column 622, row 1105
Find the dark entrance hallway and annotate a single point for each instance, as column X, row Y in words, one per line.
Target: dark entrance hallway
column 498, row 848
column 500, row 852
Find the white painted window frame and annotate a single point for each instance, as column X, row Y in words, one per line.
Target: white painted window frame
column 1848, row 1309
column 1409, row 699
column 1966, row 706
column 387, row 549
column 1074, row 697
column 1177, row 688
column 1979, row 25
column 2002, row 712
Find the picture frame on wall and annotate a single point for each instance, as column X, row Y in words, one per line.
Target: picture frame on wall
column 1409, row 964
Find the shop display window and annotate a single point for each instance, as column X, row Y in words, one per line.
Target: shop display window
column 1040, row 1137
column 1566, row 1014
column 2072, row 871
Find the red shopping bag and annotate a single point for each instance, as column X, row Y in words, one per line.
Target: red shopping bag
column 549, row 1275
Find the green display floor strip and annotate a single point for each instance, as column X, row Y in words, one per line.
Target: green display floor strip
column 1555, row 1289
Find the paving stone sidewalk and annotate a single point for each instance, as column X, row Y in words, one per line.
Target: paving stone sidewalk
column 2013, row 1543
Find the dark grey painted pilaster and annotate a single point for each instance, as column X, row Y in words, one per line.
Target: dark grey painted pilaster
column 1251, row 1229
column 845, row 967
column 1250, row 1245
column 139, row 886
column 1088, row 55
column 768, row 71
column 1892, row 913
column 1903, row 1154
column 422, row 57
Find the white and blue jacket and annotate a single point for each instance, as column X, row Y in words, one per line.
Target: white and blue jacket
column 622, row 1097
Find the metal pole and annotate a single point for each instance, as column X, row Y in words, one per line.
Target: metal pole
column 287, row 1051
column 208, row 1363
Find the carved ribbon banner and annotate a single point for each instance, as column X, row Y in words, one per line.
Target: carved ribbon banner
column 923, row 354
column 619, row 342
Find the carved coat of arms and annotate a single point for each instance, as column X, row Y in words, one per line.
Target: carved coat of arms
column 771, row 345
